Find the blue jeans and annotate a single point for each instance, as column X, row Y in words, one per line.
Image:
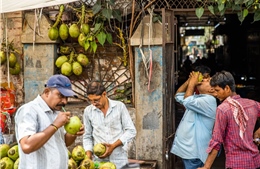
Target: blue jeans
column 192, row 163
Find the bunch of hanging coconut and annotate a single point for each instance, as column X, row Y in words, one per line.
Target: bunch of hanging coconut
column 74, row 30
column 72, row 64
column 14, row 66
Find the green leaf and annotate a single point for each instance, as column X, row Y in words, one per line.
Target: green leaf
column 109, row 38
column 97, row 27
column 211, row 9
column 98, row 2
column 257, row 15
column 216, row 9
column 221, row 7
column 240, row 16
column 96, row 8
column 228, row 5
column 199, row 12
column 111, row 2
column 117, row 14
column 222, row 12
column 101, row 37
column 86, row 45
column 239, row 2
column 236, row 7
column 249, row 3
column 245, row 13
column 93, row 45
column 246, row 1
column 107, row 13
column 157, row 18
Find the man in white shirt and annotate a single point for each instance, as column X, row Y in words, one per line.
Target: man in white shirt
column 42, row 140
column 108, row 122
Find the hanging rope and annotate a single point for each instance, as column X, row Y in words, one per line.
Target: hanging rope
column 149, row 47
column 7, row 54
column 37, row 17
column 141, row 42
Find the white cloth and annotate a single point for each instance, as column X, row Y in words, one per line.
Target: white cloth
column 239, row 114
column 35, row 117
column 117, row 124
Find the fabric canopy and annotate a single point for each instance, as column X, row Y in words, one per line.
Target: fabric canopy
column 20, row 5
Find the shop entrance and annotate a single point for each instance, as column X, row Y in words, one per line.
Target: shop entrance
column 234, row 46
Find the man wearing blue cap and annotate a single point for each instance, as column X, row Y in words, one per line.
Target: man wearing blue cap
column 39, row 127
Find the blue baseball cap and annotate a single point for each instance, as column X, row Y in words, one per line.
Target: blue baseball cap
column 62, row 83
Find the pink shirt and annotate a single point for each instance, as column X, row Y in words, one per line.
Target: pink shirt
column 240, row 154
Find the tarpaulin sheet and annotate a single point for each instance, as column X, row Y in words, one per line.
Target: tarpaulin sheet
column 20, row 5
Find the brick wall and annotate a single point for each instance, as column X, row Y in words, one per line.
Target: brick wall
column 12, row 22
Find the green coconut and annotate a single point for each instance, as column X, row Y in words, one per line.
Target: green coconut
column 78, row 153
column 99, row 149
column 76, row 68
column 73, row 126
column 74, row 30
column 60, row 60
column 12, row 60
column 66, row 69
column 53, row 33
column 6, row 163
column 87, row 164
column 81, row 39
column 85, row 28
column 83, row 59
column 108, row 165
column 72, row 164
column 16, row 69
column 2, row 57
column 16, row 163
column 63, row 31
column 13, row 153
column 3, row 150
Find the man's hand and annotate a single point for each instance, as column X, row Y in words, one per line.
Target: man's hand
column 109, row 149
column 194, row 78
column 81, row 130
column 89, row 154
column 257, row 137
column 62, row 119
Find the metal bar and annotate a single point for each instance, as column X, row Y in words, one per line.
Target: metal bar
column 114, row 72
column 119, row 85
column 117, row 78
column 107, row 70
column 79, row 87
column 80, row 95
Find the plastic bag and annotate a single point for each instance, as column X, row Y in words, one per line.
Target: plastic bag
column 7, row 98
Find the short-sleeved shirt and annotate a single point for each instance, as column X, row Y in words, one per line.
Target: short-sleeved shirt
column 117, row 124
column 195, row 129
column 35, row 117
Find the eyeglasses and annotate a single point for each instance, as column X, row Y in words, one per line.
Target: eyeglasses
column 94, row 100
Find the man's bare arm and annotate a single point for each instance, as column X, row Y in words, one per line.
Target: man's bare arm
column 211, row 158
